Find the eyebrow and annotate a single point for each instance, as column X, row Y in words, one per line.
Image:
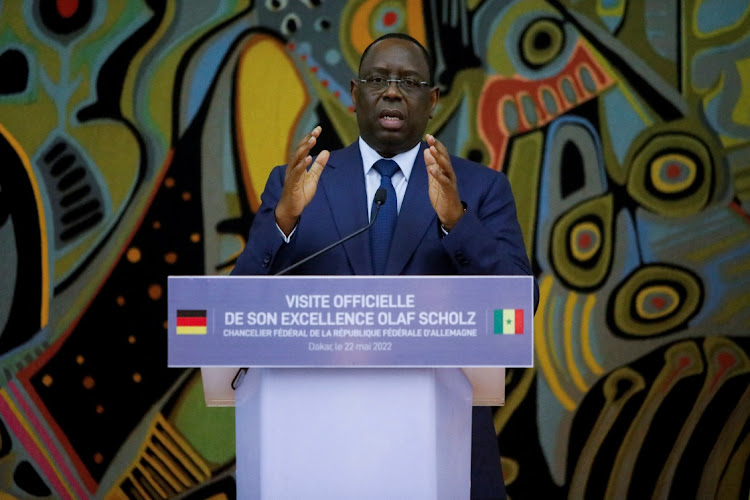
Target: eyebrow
column 411, row 73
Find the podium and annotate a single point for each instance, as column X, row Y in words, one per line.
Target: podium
column 358, row 387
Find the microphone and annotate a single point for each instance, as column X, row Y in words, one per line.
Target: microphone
column 379, row 200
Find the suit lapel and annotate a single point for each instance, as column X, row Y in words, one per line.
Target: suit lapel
column 344, row 186
column 414, row 218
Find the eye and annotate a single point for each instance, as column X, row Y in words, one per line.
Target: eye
column 376, row 80
column 409, row 83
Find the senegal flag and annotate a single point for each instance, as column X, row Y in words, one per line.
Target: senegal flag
column 508, row 321
column 191, row 322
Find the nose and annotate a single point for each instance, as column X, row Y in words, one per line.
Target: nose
column 393, row 90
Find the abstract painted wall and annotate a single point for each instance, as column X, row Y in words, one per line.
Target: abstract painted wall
column 135, row 139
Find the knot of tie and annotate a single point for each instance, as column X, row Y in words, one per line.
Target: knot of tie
column 381, row 232
column 386, row 168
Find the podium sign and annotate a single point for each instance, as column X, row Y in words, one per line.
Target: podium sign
column 352, row 321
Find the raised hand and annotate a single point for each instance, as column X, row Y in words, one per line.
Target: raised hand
column 442, row 185
column 300, row 182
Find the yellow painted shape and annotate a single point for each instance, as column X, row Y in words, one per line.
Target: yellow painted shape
column 573, row 243
column 658, row 165
column 128, row 102
column 267, row 110
column 523, row 173
column 741, row 111
column 359, row 32
column 31, row 132
column 160, row 95
column 116, row 154
column 415, row 20
column 13, row 27
column 44, row 264
column 575, row 374
column 542, row 350
column 588, row 354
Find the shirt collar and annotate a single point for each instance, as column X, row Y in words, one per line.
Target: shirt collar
column 405, row 160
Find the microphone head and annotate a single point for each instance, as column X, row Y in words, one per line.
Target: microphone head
column 380, row 196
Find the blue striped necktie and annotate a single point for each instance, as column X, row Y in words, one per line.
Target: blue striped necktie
column 382, row 231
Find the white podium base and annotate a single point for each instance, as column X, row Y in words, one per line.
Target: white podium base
column 346, row 433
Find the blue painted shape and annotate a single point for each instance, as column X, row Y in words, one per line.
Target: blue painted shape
column 623, row 123
column 714, row 15
column 206, row 69
column 611, row 22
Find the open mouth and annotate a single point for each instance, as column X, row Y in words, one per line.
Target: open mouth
column 391, row 119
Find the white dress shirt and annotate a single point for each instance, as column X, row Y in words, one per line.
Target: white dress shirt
column 372, row 178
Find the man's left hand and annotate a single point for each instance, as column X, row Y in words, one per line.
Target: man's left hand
column 443, row 187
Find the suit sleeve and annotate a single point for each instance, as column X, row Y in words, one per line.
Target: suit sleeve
column 488, row 239
column 265, row 245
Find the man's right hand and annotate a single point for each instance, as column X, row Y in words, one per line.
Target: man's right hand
column 300, row 182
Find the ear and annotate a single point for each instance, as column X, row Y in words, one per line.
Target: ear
column 353, row 91
column 434, row 98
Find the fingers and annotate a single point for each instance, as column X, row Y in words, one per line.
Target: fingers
column 320, row 161
column 435, row 170
column 441, row 157
column 301, row 157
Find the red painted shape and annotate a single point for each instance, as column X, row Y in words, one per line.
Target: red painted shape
column 659, row 302
column 737, row 208
column 497, row 90
column 726, row 361
column 390, row 18
column 67, row 8
column 673, row 170
column 682, row 363
column 584, row 240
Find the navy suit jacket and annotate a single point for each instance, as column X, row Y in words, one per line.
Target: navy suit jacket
column 486, row 241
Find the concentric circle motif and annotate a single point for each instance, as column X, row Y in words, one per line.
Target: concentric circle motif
column 655, row 300
column 585, row 240
column 581, row 243
column 541, row 42
column 673, row 172
column 389, row 17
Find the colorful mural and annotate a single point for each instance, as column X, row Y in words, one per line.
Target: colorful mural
column 136, row 137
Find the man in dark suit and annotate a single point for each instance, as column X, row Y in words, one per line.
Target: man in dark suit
column 451, row 216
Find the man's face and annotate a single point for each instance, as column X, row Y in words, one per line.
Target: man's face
column 392, row 121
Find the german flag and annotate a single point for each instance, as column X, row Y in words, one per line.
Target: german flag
column 191, row 322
